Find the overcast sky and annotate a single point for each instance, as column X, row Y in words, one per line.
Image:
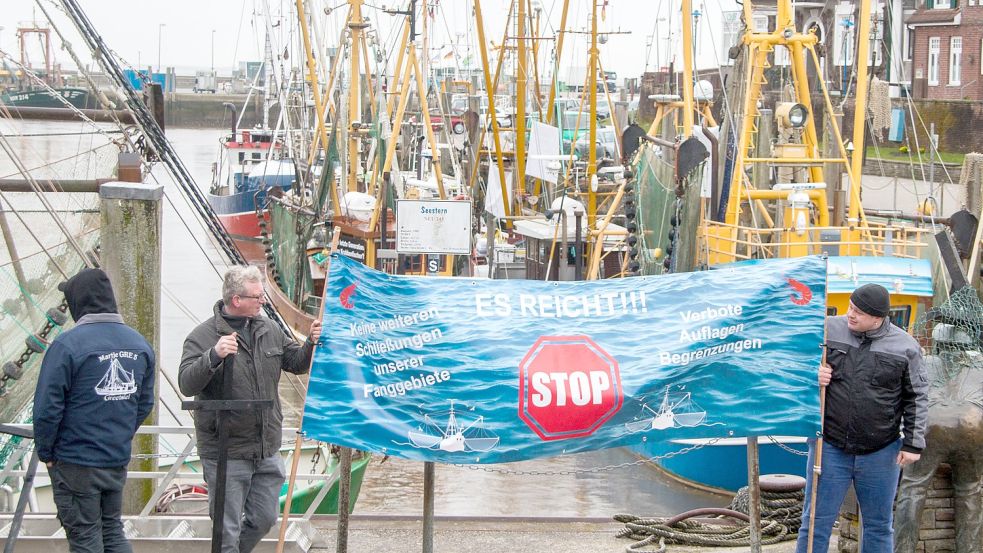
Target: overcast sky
column 181, row 32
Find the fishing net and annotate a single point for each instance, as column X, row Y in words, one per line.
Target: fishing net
column 656, row 204
column 952, row 334
column 36, row 254
column 292, row 230
column 667, row 224
column 34, row 258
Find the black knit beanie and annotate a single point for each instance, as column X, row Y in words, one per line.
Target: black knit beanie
column 872, row 299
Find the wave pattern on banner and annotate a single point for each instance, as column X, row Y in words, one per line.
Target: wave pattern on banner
column 461, row 370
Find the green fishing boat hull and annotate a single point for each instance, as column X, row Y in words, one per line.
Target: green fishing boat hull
column 305, row 496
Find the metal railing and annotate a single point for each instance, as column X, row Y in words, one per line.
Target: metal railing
column 724, row 243
column 166, row 477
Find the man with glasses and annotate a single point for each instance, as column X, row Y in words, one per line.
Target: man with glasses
column 260, row 351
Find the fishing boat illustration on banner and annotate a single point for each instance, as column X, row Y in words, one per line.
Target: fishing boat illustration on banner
column 454, row 436
column 117, row 381
column 677, row 410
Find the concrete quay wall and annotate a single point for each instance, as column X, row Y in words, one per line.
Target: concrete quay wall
column 208, row 111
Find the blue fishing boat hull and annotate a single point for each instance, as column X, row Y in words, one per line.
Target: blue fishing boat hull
column 722, row 466
column 240, row 212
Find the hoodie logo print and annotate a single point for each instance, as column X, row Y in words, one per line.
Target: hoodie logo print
column 117, row 384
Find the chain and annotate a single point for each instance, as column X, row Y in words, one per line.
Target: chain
column 36, row 343
column 591, row 470
column 791, row 450
column 10, row 444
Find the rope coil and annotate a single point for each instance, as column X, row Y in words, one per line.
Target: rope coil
column 781, row 514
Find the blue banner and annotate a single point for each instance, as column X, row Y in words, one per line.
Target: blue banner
column 460, row 370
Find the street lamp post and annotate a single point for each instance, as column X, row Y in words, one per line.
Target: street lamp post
column 213, row 51
column 160, row 32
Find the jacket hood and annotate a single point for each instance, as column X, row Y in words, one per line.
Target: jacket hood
column 89, row 292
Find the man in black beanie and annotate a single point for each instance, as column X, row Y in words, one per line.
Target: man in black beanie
column 95, row 387
column 875, row 385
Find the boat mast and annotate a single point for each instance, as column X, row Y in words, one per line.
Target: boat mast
column 550, row 108
column 268, row 79
column 520, row 111
column 316, row 91
column 687, row 8
column 355, row 26
column 855, row 211
column 592, row 132
column 492, row 115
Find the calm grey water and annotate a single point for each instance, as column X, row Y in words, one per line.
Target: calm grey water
column 191, row 284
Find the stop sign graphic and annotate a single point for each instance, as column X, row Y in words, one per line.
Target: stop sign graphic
column 568, row 387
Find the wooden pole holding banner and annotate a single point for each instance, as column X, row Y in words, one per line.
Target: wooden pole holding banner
column 429, row 481
column 754, row 493
column 344, row 492
column 335, row 237
column 817, row 464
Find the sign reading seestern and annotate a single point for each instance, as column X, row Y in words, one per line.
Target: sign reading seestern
column 433, row 226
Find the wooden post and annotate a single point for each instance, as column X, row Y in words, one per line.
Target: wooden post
column 754, row 493
column 429, row 483
column 131, row 229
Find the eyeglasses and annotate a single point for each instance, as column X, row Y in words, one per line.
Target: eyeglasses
column 259, row 298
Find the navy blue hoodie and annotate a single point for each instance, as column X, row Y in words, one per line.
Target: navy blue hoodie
column 96, row 383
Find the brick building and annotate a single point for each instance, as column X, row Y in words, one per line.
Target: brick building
column 946, row 42
column 835, row 24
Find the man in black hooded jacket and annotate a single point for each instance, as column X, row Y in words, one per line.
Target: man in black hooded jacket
column 95, row 387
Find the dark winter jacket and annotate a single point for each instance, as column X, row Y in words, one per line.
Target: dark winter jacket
column 96, row 383
column 878, row 389
column 264, row 351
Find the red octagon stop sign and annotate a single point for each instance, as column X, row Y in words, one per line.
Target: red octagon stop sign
column 568, row 387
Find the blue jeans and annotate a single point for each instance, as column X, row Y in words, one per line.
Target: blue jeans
column 875, row 479
column 252, row 496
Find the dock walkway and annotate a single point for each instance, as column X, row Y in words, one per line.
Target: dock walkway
column 375, row 534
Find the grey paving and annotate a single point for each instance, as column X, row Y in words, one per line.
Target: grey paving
column 495, row 535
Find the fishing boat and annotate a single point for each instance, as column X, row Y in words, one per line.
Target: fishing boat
column 43, row 87
column 453, row 436
column 117, row 381
column 253, row 165
column 361, row 177
column 769, row 201
column 54, row 98
column 677, row 409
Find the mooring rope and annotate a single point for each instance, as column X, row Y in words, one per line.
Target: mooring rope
column 781, row 514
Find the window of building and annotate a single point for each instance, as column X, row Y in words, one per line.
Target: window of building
column 760, row 24
column 909, row 43
column 844, row 35
column 875, row 54
column 782, row 57
column 955, row 59
column 900, row 316
column 943, row 4
column 934, row 44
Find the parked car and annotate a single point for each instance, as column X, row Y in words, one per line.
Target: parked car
column 606, row 145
